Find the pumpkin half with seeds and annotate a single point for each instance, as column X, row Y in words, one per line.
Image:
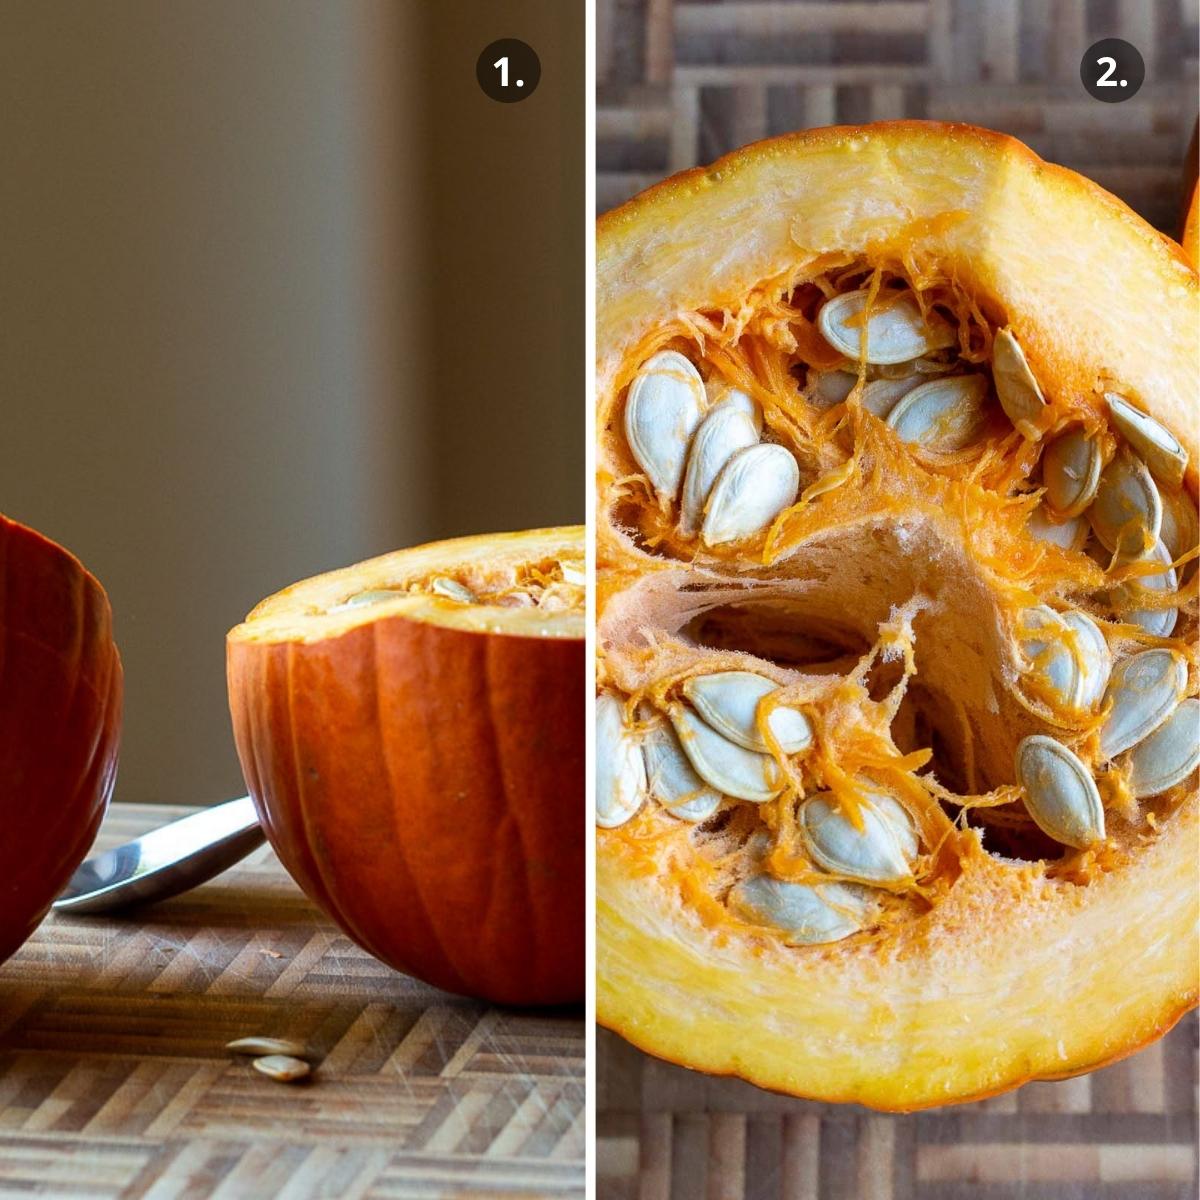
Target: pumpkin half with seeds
column 412, row 732
column 896, row 721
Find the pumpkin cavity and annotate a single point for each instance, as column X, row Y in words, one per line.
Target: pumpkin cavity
column 891, row 446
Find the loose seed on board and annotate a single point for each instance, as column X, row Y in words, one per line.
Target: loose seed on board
column 1071, row 473
column 1142, row 694
column 1169, row 755
column 807, row 915
column 1126, row 514
column 942, row 415
column 872, row 854
column 1016, row 388
column 896, row 331
column 1060, row 793
column 724, row 765
column 661, row 414
column 722, row 433
column 451, row 589
column 620, row 768
column 282, row 1068
column 1070, row 534
column 880, row 396
column 1093, row 658
column 754, row 487
column 1159, row 448
column 728, row 701
column 672, row 780
column 267, row 1045
column 1158, row 622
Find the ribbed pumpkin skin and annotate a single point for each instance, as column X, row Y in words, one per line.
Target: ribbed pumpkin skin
column 60, row 719
column 424, row 785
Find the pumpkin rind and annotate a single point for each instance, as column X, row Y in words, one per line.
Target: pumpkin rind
column 1011, row 976
column 60, row 722
column 424, row 784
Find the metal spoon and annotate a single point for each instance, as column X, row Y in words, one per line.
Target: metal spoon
column 165, row 861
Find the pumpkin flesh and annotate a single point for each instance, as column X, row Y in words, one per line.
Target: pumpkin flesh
column 995, row 969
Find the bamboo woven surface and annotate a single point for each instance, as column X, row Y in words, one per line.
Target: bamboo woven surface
column 114, row 1081
column 1126, row 1132
column 681, row 82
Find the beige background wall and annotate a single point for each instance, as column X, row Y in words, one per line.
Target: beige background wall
column 279, row 288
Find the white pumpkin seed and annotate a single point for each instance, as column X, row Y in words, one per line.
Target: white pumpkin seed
column 671, row 778
column 725, row 395
column 1158, row 622
column 1071, row 534
column 880, row 396
column 620, row 768
column 827, row 388
column 942, row 415
column 896, row 331
column 807, row 915
column 574, row 575
column 873, row 854
column 661, row 414
column 1142, row 694
column 722, row 433
column 451, row 589
column 1159, row 448
column 1071, row 473
column 1126, row 514
column 267, row 1046
column 1048, row 661
column 372, row 596
column 728, row 701
column 754, row 487
column 1092, row 657
column 1169, row 755
column 724, row 765
column 1180, row 530
column 282, row 1068
column 1060, row 793
column 918, row 367
column 897, row 817
column 1018, row 391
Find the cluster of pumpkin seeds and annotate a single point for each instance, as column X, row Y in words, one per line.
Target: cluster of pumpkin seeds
column 277, row 1058
column 714, row 743
column 1109, row 684
column 700, row 445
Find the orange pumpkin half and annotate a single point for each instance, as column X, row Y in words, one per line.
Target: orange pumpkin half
column 412, row 732
column 60, row 723
column 896, row 725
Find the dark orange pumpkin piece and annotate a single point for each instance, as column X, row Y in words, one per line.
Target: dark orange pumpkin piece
column 411, row 730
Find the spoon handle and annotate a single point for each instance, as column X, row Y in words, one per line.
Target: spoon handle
column 165, row 861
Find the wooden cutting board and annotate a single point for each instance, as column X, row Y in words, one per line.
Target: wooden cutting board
column 114, row 1080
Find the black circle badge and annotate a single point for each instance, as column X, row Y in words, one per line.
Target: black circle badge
column 508, row 70
column 1112, row 70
